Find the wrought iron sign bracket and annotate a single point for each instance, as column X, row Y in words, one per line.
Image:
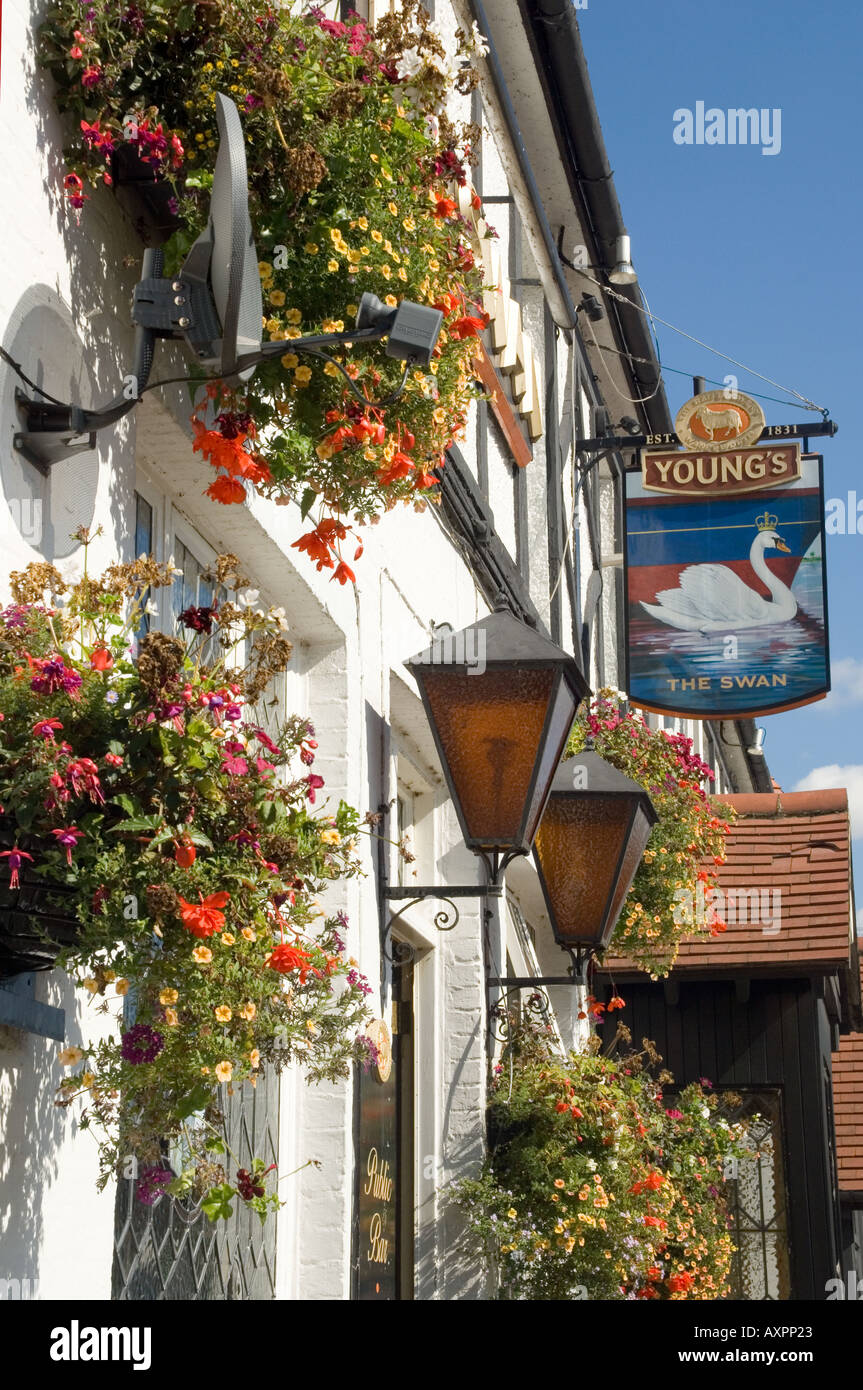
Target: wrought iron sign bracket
column 577, row 975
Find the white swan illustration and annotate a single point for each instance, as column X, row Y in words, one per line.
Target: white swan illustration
column 712, row 598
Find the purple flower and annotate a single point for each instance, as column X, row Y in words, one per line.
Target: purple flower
column 152, row 1184
column 141, row 1044
column 53, row 675
column 370, row 1054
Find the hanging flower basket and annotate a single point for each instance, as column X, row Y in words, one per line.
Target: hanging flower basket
column 148, row 199
column 358, row 181
column 163, row 834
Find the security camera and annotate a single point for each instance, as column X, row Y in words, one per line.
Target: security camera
column 412, row 329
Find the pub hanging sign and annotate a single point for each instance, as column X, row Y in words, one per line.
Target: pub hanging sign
column 726, row 591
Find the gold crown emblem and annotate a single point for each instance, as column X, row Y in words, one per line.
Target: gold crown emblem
column 767, row 521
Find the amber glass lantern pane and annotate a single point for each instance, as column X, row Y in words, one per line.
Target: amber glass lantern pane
column 489, row 729
column 578, row 847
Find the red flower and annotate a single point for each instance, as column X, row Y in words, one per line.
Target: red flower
column 561, row 1106
column 101, row 660
column 185, row 853
column 399, row 467
column 343, row 573
column 226, row 490
column 206, row 917
column 444, row 207
column 91, row 77
column 468, row 326
column 316, row 547
column 680, row 1283
column 285, row 958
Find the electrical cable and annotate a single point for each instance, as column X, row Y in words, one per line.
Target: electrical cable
column 624, row 299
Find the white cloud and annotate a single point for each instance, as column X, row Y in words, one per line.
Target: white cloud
column 849, row 775
column 846, row 684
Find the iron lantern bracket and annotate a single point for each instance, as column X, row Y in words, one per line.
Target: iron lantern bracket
column 577, row 974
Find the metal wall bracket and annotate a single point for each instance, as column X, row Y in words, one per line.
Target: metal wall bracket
column 51, row 432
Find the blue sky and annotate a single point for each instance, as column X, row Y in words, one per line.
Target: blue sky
column 758, row 255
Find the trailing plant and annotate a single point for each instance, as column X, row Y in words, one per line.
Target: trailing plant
column 686, row 844
column 146, row 786
column 597, row 1185
column 354, row 171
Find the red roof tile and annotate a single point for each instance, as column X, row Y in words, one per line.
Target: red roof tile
column 793, row 850
column 848, row 1111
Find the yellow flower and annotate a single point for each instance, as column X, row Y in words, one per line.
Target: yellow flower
column 248, row 1010
column 434, row 265
column 224, row 1071
column 333, row 326
column 336, row 236
column 512, row 1213
column 122, row 986
column 303, row 375
column 377, row 236
column 202, row 954
column 351, row 310
column 70, row 1056
column 393, row 209
column 87, row 1078
column 227, row 938
column 330, row 837
column 290, row 360
column 291, row 333
column 311, row 248
column 375, row 158
column 255, row 1057
column 403, row 275
column 311, row 1026
column 294, row 316
column 168, row 996
column 249, row 933
column 386, row 272
column 330, row 369
column 276, row 298
column 409, row 224
column 363, row 223
column 354, row 257
column 391, row 300
column 109, row 975
column 332, row 265
column 92, row 986
column 223, row 1013
column 439, row 416
column 171, row 1018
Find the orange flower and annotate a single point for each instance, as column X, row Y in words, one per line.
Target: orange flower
column 468, row 326
column 285, row 958
column 204, row 918
column 343, row 573
column 101, row 660
column 444, row 207
column 226, row 490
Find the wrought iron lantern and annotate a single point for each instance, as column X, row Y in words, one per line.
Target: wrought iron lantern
column 500, row 700
column 588, row 847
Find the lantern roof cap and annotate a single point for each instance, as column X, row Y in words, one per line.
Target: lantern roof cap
column 501, row 639
column 600, row 778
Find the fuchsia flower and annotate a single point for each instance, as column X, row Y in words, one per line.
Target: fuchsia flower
column 313, row 783
column 44, row 728
column 16, row 857
column 91, row 77
column 68, row 838
column 53, row 675
column 263, row 737
column 84, row 776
